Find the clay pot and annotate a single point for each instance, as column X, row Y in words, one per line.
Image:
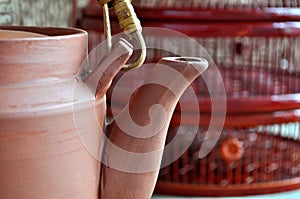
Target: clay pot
column 41, row 154
column 52, row 116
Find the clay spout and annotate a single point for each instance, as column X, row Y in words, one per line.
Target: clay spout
column 135, row 140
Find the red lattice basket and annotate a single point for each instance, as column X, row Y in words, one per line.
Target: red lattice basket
column 256, row 48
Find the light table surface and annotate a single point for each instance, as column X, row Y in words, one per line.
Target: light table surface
column 285, row 195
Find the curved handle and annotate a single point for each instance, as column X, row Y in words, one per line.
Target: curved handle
column 100, row 78
column 129, row 23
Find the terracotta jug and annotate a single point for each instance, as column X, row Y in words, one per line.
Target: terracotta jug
column 52, row 118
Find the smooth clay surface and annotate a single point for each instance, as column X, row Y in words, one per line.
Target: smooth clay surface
column 52, row 122
column 10, row 34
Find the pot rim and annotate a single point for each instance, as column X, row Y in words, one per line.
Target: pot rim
column 51, row 32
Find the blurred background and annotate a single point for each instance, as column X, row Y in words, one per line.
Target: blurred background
column 39, row 12
column 256, row 46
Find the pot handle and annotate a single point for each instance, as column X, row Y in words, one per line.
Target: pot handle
column 99, row 80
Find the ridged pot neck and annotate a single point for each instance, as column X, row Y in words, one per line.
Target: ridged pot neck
column 57, row 55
